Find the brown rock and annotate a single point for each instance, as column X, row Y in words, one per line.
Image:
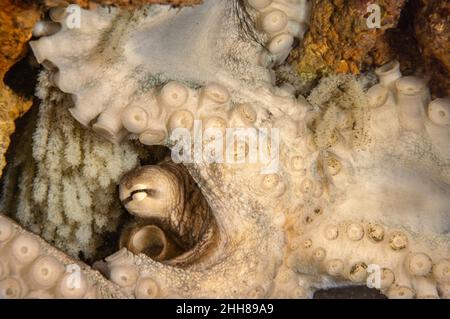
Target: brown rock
column 122, row 3
column 402, row 43
column 16, row 23
column 432, row 28
column 339, row 40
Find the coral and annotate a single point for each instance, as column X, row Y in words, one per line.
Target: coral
column 339, row 39
column 15, row 30
column 349, row 186
column 67, row 182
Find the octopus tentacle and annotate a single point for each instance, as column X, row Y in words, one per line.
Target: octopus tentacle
column 31, row 268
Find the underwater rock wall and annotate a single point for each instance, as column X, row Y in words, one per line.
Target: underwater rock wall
column 432, row 29
column 16, row 23
column 339, row 40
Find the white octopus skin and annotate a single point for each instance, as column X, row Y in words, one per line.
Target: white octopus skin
column 325, row 216
column 42, row 275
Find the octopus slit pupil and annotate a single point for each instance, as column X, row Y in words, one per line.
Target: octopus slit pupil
column 149, row 192
column 154, row 250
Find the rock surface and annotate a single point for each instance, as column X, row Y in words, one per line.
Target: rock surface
column 15, row 30
column 432, row 28
column 339, row 39
column 416, row 33
column 88, row 3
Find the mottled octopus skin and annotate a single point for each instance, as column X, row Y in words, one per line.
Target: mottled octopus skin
column 327, row 214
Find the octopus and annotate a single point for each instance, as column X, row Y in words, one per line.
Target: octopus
column 350, row 186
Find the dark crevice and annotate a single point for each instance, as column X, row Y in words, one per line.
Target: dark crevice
column 22, row 76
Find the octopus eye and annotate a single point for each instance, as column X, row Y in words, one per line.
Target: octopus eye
column 177, row 227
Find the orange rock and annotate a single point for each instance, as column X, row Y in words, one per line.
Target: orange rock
column 16, row 24
column 339, row 40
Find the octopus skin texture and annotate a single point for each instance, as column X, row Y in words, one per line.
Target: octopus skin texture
column 31, row 268
column 362, row 182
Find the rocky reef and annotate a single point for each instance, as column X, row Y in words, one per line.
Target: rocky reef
column 270, row 191
column 15, row 30
column 340, row 39
column 432, row 29
column 346, row 38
